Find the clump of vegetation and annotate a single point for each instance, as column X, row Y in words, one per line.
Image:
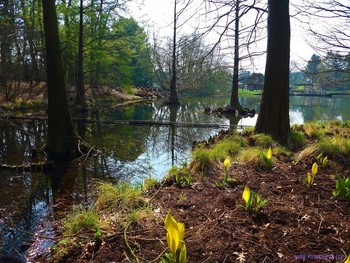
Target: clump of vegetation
column 256, row 157
column 182, row 175
column 253, row 201
column 342, row 188
column 310, row 177
column 229, row 146
column 63, row 249
column 81, row 221
column 266, row 159
column 297, row 139
column 123, row 200
column 250, row 156
column 334, row 145
column 115, row 206
column 314, row 130
column 175, row 239
column 150, row 182
column 263, row 140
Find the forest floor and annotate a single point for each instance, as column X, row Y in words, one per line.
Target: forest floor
column 298, row 223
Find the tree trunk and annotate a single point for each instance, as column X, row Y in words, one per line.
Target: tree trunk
column 62, row 138
column 234, row 103
column 80, row 96
column 5, row 49
column 173, row 98
column 274, row 110
column 29, row 33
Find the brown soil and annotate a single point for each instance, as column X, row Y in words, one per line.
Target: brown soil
column 298, row 224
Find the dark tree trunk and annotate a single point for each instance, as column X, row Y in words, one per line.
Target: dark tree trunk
column 62, row 138
column 173, row 98
column 80, row 97
column 5, row 50
column 234, row 103
column 274, row 110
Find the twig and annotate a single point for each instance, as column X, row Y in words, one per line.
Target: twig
column 264, row 259
column 156, row 259
column 127, row 243
column 160, row 188
column 319, row 227
column 88, row 153
column 36, row 235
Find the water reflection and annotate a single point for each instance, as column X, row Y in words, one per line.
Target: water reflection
column 131, row 152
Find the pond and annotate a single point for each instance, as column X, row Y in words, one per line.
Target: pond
column 159, row 138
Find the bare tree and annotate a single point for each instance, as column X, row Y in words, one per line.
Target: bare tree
column 174, row 98
column 177, row 24
column 245, row 33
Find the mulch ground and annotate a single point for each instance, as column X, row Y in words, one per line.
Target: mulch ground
column 298, row 224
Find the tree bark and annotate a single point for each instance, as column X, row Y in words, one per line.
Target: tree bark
column 274, row 110
column 5, row 49
column 62, row 138
column 234, row 103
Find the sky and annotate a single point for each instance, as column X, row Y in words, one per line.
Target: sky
column 157, row 16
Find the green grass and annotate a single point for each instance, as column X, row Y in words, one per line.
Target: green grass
column 250, row 156
column 263, row 140
column 249, row 92
column 297, row 139
column 220, row 150
column 81, row 221
column 335, row 145
column 314, row 130
column 121, row 197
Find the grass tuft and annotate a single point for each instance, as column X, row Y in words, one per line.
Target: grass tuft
column 81, row 221
column 263, row 140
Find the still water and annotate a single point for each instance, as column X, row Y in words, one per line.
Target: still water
column 29, row 200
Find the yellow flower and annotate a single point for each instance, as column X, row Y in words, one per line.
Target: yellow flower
column 227, row 163
column 269, row 154
column 314, row 168
column 247, row 197
column 175, row 236
column 348, row 259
